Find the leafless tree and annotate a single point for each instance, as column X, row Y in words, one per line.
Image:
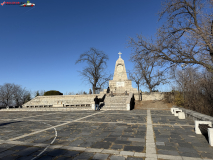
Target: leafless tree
column 186, row 37
column 94, row 72
column 136, row 77
column 39, row 93
column 195, row 90
column 20, row 95
column 6, row 94
column 12, row 94
column 148, row 70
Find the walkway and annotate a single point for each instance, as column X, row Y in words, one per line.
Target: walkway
column 112, row 135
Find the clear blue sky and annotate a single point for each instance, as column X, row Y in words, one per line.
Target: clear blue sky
column 39, row 45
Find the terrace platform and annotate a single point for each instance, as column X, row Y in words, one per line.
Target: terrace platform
column 112, row 135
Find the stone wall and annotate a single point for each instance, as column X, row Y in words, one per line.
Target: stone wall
column 150, row 96
column 63, row 100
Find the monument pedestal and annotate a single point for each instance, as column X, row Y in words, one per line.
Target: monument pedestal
column 121, row 86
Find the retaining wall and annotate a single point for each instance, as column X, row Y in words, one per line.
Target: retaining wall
column 150, row 96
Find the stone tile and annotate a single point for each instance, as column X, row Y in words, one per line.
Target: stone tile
column 56, row 152
column 189, row 158
column 190, row 154
column 77, row 148
column 71, row 154
column 169, row 157
column 137, row 139
column 110, row 151
column 160, row 143
column 134, row 158
column 168, row 152
column 150, row 158
column 126, row 153
column 117, row 147
column 136, row 154
column 6, row 153
column 207, row 155
column 100, row 156
column 93, row 150
column 122, row 142
column 45, row 157
column 104, row 145
column 84, row 155
column 134, row 148
column 113, row 157
column 27, row 151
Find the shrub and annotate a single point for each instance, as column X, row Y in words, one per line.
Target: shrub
column 52, row 92
column 179, row 100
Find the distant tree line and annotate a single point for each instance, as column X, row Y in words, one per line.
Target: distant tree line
column 13, row 94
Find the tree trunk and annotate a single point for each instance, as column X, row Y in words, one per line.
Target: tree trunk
column 138, row 93
column 93, row 88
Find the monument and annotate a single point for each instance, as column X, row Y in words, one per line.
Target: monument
column 120, row 82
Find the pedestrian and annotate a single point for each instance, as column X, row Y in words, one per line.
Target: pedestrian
column 96, row 103
column 108, row 90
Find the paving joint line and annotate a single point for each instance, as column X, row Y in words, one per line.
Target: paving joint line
column 26, row 135
column 150, row 141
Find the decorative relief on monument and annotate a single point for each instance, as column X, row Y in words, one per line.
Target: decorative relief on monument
column 119, row 68
column 120, row 84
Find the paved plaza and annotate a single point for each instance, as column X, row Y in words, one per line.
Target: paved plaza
column 111, row 135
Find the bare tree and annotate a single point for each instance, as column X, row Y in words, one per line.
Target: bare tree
column 39, row 93
column 136, row 77
column 148, row 68
column 186, row 37
column 194, row 90
column 20, row 95
column 12, row 94
column 6, row 94
column 94, row 72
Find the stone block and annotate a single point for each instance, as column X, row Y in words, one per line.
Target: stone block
column 210, row 135
column 93, row 106
column 127, row 107
column 181, row 115
column 126, row 153
column 177, row 111
column 197, row 130
column 172, row 110
column 93, row 150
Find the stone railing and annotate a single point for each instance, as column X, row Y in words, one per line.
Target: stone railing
column 195, row 115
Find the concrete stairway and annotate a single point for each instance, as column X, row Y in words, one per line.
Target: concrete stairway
column 115, row 103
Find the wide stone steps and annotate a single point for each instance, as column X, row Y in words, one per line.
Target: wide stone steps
column 48, row 109
column 113, row 108
column 115, row 103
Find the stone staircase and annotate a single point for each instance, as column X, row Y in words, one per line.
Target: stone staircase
column 115, row 103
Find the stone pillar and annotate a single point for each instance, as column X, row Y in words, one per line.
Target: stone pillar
column 128, row 107
column 197, row 130
column 93, row 106
column 210, row 134
column 181, row 115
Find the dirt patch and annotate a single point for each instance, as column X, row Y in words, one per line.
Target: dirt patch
column 152, row 105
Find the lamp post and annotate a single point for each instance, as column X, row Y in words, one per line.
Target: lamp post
column 183, row 69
